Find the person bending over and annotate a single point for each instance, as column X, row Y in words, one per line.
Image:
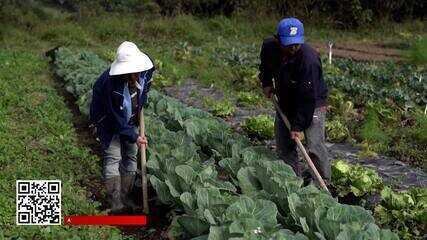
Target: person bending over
column 117, row 98
column 296, row 70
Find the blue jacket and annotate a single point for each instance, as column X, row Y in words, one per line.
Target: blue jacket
column 110, row 108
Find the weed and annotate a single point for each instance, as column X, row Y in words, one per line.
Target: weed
column 372, row 133
column 418, row 52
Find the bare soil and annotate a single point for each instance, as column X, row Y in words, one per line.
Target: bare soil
column 361, row 51
column 184, row 93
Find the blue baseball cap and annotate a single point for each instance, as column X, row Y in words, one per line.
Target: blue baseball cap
column 290, row 31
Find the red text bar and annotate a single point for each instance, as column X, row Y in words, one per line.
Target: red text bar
column 105, row 220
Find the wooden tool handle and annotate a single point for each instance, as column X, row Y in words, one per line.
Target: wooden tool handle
column 143, row 164
column 311, row 165
column 300, row 146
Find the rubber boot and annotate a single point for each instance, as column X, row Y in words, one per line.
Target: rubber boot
column 127, row 187
column 113, row 187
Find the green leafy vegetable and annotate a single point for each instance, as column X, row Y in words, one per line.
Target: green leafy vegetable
column 405, row 212
column 223, row 108
column 248, row 99
column 183, row 171
column 348, row 178
column 336, row 130
column 261, row 126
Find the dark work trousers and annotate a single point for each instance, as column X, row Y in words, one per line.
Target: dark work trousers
column 315, row 139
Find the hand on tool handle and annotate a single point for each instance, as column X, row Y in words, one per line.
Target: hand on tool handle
column 268, row 92
column 142, row 140
column 297, row 135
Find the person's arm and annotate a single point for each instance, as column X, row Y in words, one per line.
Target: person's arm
column 305, row 104
column 96, row 106
column 145, row 81
column 265, row 72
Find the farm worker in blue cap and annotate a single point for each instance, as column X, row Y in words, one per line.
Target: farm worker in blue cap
column 296, row 70
column 117, row 98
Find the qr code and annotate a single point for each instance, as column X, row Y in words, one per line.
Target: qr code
column 38, row 202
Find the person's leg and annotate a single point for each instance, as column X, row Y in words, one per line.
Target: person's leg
column 286, row 147
column 128, row 169
column 315, row 137
column 128, row 165
column 111, row 160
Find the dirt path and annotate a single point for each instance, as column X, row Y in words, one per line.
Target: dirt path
column 361, row 51
column 396, row 173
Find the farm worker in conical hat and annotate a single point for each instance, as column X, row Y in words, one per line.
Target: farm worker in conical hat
column 117, row 98
column 296, row 71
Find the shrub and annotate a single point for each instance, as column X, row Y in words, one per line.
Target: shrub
column 131, row 5
column 345, row 13
column 198, row 7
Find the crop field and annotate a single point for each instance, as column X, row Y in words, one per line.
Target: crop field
column 260, row 189
column 213, row 172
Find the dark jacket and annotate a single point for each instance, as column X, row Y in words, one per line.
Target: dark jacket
column 298, row 81
column 107, row 111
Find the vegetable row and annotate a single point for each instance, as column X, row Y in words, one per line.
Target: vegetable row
column 222, row 185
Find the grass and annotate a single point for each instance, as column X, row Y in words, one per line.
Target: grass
column 417, row 54
column 115, row 29
column 38, row 141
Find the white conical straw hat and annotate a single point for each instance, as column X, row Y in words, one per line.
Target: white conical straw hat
column 129, row 59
